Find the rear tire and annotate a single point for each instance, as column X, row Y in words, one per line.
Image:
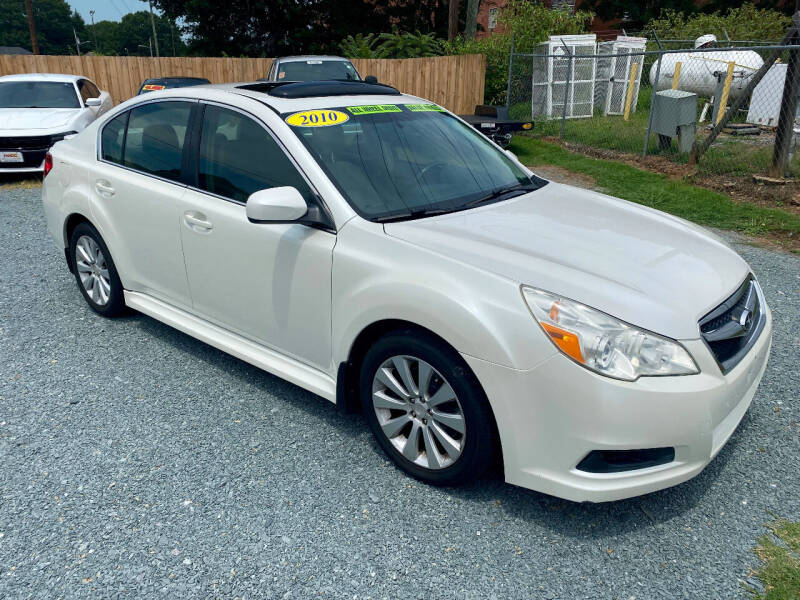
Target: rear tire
column 427, row 409
column 95, row 272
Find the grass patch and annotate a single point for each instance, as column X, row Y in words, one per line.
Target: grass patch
column 734, row 156
column 25, row 182
column 679, row 198
column 779, row 552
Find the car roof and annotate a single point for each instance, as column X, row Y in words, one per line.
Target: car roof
column 64, row 78
column 304, row 57
column 220, row 92
column 176, row 78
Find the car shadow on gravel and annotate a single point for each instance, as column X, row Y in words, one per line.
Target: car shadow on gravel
column 563, row 517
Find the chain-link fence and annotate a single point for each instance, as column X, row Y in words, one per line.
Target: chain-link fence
column 620, row 98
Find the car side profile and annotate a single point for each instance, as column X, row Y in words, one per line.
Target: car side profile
column 40, row 109
column 374, row 249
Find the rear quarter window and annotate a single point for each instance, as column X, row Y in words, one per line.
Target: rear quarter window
column 112, row 138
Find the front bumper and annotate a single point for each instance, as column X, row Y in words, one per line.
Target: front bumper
column 31, row 169
column 551, row 417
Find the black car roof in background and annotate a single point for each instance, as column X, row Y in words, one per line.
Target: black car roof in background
column 174, row 82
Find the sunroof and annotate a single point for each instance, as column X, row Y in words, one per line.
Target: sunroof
column 312, row 89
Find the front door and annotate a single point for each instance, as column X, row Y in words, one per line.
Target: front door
column 268, row 282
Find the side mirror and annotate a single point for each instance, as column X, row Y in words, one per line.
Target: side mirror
column 94, row 102
column 276, row 205
column 371, row 79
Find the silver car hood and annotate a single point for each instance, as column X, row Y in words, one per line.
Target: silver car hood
column 640, row 265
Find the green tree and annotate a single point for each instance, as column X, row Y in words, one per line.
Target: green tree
column 531, row 23
column 408, row 45
column 635, row 13
column 54, row 24
column 359, row 45
column 744, row 23
column 276, row 27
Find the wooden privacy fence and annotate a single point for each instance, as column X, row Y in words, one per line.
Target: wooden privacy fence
column 455, row 82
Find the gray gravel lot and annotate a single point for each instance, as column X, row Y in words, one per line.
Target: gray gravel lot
column 136, row 462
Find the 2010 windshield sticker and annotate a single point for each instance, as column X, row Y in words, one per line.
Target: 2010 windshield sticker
column 374, row 109
column 424, row 108
column 317, row 118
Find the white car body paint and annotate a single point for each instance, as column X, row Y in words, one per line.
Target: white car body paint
column 35, row 122
column 297, row 298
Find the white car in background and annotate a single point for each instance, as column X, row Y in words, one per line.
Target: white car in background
column 376, row 250
column 312, row 68
column 38, row 110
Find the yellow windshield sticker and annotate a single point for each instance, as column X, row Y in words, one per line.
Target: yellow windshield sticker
column 424, row 107
column 374, row 109
column 150, row 87
column 317, row 118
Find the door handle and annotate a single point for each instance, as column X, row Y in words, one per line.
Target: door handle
column 104, row 188
column 197, row 222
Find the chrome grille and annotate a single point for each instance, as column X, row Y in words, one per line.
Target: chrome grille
column 731, row 329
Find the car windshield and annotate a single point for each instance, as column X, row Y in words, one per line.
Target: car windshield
column 317, row 70
column 38, row 94
column 397, row 162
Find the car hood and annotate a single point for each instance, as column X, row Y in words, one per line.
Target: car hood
column 640, row 265
column 22, row 119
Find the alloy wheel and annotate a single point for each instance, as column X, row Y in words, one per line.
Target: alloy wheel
column 92, row 270
column 418, row 412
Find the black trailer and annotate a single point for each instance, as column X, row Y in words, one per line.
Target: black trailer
column 494, row 123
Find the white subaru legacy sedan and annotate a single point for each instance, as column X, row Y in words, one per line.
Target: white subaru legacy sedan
column 372, row 248
column 38, row 110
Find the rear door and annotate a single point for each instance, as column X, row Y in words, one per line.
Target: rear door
column 267, row 282
column 137, row 184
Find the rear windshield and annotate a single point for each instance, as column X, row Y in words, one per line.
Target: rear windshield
column 396, row 160
column 317, row 70
column 38, row 94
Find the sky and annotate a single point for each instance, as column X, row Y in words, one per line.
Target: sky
column 106, row 10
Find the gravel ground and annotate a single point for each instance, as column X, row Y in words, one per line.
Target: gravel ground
column 137, row 462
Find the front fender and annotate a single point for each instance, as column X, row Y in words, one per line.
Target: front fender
column 377, row 277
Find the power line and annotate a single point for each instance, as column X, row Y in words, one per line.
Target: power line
column 114, row 4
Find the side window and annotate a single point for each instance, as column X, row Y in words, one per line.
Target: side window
column 238, row 157
column 112, row 138
column 87, row 89
column 156, row 133
column 92, row 90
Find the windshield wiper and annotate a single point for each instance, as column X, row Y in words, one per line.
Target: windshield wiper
column 412, row 214
column 524, row 188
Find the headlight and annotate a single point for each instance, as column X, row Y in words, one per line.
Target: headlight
column 604, row 344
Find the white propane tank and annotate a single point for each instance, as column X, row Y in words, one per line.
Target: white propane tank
column 698, row 69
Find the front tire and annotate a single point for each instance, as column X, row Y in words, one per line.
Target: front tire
column 427, row 409
column 95, row 272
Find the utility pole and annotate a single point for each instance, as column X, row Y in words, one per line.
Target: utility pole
column 94, row 33
column 471, row 26
column 32, row 26
column 784, row 134
column 149, row 46
column 452, row 19
column 153, row 24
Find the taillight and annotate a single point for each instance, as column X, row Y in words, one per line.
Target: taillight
column 48, row 164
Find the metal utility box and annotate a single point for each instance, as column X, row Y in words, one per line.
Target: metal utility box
column 675, row 114
column 614, row 68
column 553, row 82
